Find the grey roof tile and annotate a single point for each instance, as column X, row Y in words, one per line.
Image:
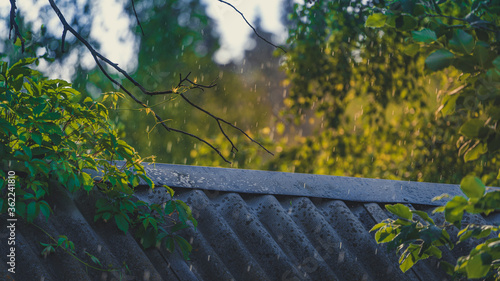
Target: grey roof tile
column 251, row 227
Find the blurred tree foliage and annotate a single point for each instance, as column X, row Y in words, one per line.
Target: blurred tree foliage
column 186, row 42
column 376, row 110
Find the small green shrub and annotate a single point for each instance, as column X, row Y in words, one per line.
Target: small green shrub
column 47, row 136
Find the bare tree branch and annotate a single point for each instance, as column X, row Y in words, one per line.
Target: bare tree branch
column 137, row 18
column 13, row 24
column 253, row 28
column 219, row 120
column 98, row 58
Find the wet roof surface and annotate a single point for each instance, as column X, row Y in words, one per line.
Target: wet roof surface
column 252, row 225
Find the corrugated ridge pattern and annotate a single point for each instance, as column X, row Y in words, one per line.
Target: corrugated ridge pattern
column 293, row 238
column 239, row 237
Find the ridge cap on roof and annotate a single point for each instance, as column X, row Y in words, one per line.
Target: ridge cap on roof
column 297, row 184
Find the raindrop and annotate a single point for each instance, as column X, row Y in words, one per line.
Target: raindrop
column 341, row 256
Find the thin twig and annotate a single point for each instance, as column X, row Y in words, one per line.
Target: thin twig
column 13, row 24
column 137, row 18
column 219, row 120
column 96, row 55
column 253, row 28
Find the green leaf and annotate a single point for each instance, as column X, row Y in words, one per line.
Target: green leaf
column 93, row 258
column 462, row 42
column 473, row 187
column 496, row 63
column 122, row 222
column 22, row 62
column 447, row 267
column 88, row 183
column 471, row 128
column 475, row 151
column 183, row 211
column 37, row 138
column 6, row 127
column 434, row 251
column 423, row 215
column 439, row 59
column 27, row 151
column 21, row 209
column 411, row 50
column 425, row 35
column 454, row 210
column 45, row 209
column 376, row 20
column 377, row 226
column 170, row 191
column 385, row 234
column 400, row 210
column 153, row 223
column 405, row 23
column 170, row 244
column 449, row 104
column 478, row 266
column 169, row 207
column 482, row 54
column 184, row 246
column 148, row 181
column 409, row 257
column 31, row 211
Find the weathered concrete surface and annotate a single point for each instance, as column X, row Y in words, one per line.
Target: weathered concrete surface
column 295, row 184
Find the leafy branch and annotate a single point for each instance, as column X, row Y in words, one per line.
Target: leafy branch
column 69, row 250
column 13, row 24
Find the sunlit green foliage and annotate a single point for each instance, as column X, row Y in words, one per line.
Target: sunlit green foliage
column 463, row 36
column 417, row 238
column 52, row 141
column 376, row 109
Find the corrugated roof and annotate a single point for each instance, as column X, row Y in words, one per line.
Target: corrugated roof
column 252, row 225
